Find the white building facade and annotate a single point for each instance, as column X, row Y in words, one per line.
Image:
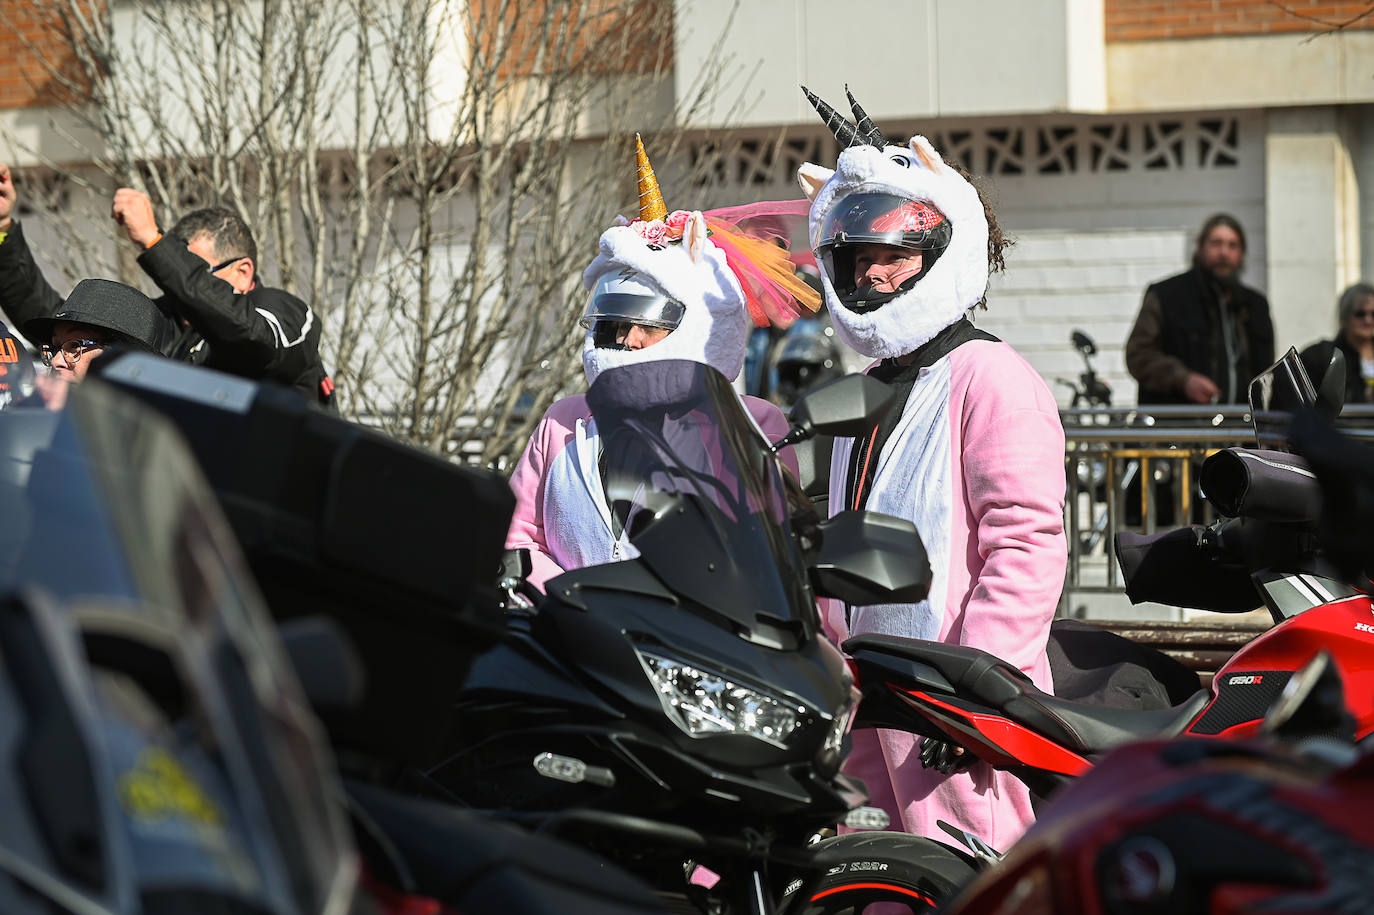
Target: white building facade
column 1104, row 131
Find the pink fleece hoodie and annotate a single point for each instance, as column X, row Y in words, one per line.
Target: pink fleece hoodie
column 977, row 462
column 560, row 510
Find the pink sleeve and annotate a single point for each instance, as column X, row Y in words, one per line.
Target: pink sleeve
column 774, row 426
column 527, row 524
column 1013, row 465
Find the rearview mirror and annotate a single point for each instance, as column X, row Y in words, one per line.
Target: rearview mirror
column 1083, row 343
column 870, row 558
column 1276, row 394
column 848, row 406
column 1331, row 391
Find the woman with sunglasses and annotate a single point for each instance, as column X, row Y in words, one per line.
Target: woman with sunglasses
column 1355, row 339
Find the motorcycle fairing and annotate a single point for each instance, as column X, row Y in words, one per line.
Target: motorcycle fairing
column 1345, row 629
column 605, row 711
column 993, row 738
column 991, row 702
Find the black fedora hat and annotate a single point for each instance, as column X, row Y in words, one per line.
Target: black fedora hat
column 120, row 310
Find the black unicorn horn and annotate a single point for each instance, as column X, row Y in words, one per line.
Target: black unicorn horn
column 864, row 126
column 842, row 129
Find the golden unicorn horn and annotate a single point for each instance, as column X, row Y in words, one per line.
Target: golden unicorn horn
column 651, row 205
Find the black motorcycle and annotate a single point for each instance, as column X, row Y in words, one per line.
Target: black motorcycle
column 158, row 752
column 685, row 698
column 155, row 754
column 680, row 712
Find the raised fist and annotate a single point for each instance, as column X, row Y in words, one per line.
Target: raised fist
column 134, row 211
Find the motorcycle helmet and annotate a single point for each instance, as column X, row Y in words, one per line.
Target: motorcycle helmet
column 625, row 298
column 1206, row 826
column 864, row 217
column 156, row 755
column 807, row 357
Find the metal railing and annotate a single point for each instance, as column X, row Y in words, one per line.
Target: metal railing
column 1135, row 468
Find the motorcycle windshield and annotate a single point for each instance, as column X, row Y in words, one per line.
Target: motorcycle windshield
column 193, row 769
column 1275, row 394
column 688, row 476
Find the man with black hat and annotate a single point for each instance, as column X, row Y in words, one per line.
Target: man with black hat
column 206, row 266
column 97, row 315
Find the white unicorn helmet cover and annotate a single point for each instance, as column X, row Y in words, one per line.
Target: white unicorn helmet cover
column 685, row 287
column 906, row 188
column 662, row 271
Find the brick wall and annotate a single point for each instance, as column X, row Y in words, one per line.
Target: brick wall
column 611, row 36
column 1145, row 20
column 25, row 43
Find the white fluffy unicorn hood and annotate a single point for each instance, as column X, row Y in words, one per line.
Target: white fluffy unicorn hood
column 714, row 329
column 958, row 279
column 727, row 277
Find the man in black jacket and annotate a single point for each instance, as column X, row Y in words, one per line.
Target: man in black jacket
column 206, row 267
column 1201, row 336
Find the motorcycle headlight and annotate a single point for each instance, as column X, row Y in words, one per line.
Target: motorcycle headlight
column 834, row 738
column 704, row 703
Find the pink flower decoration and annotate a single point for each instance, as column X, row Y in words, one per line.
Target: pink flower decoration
column 677, row 222
column 653, row 231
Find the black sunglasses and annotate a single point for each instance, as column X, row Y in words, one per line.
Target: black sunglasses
column 232, row 260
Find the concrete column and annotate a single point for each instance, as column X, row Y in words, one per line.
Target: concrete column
column 1312, row 217
column 1364, row 175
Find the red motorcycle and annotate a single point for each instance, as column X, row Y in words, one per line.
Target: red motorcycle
column 1267, row 550
column 1202, row 825
column 991, row 708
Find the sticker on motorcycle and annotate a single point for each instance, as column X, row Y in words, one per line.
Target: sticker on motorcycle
column 160, row 788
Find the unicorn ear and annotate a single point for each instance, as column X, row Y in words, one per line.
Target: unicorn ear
column 926, row 153
column 812, row 178
column 694, row 237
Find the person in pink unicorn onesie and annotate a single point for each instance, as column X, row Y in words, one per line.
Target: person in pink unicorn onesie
column 972, row 450
column 660, row 289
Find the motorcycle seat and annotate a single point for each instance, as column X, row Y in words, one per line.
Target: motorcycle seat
column 989, row 681
column 1089, row 729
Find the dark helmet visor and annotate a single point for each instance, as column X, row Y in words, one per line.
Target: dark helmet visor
column 884, row 219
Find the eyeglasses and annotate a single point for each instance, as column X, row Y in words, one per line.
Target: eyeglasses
column 72, row 351
column 232, row 260
column 1365, row 315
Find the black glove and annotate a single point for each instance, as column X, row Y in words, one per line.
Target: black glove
column 945, row 757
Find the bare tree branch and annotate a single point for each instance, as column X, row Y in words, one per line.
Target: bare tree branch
column 1328, row 26
column 431, row 174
